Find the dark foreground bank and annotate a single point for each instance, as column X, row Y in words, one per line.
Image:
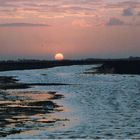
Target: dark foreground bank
column 9, row 82
column 22, row 111
column 25, row 110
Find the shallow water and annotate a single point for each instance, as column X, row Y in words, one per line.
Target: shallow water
column 95, row 106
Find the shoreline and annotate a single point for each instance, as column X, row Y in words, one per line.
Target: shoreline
column 117, row 67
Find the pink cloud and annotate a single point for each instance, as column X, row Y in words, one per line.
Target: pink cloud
column 81, row 23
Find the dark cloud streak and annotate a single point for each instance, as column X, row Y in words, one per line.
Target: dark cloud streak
column 128, row 12
column 118, row 22
column 23, row 25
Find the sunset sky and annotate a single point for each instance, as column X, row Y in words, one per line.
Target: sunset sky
column 76, row 28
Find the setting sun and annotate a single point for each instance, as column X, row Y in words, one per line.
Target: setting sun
column 59, row 56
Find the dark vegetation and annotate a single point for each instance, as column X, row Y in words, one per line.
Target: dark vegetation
column 40, row 64
column 129, row 65
column 120, row 67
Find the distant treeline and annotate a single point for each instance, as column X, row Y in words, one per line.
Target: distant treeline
column 40, row 64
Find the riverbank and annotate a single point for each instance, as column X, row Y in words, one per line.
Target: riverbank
column 120, row 67
column 117, row 67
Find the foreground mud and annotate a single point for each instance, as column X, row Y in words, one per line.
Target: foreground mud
column 26, row 110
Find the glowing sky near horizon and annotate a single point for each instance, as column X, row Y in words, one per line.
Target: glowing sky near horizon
column 76, row 28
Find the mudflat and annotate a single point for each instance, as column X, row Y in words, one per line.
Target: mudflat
column 20, row 108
